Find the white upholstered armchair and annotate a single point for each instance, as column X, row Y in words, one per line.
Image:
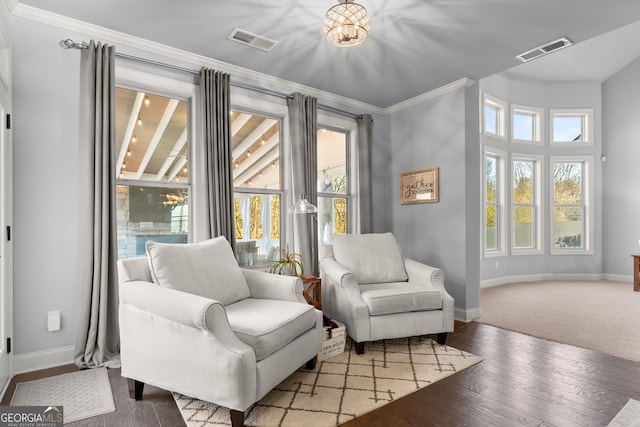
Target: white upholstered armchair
column 193, row 322
column 378, row 294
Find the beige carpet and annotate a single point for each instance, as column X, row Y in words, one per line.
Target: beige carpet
column 344, row 386
column 82, row 394
column 600, row 315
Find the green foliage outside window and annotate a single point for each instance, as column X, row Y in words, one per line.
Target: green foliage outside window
column 340, row 205
column 238, row 216
column 523, row 190
column 491, row 191
column 255, row 218
column 275, row 217
column 567, row 189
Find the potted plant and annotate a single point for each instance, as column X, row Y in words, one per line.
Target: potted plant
column 290, row 263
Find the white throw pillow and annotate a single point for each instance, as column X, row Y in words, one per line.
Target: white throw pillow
column 373, row 258
column 208, row 269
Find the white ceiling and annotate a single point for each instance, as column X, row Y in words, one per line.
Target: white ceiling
column 414, row 46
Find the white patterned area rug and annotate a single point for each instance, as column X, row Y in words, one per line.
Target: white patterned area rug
column 342, row 387
column 629, row 415
column 82, row 394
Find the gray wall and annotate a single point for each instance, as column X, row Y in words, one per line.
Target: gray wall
column 621, row 171
column 435, row 133
column 46, row 186
column 549, row 95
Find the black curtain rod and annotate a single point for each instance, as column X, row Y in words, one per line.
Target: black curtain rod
column 70, row 44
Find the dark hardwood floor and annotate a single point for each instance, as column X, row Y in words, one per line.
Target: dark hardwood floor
column 522, row 380
column 157, row 409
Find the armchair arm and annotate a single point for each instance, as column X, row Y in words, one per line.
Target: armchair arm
column 425, row 274
column 346, row 303
column 343, row 277
column 273, row 286
column 179, row 307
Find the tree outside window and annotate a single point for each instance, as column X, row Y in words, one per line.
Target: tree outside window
column 524, row 204
column 491, row 203
column 569, row 206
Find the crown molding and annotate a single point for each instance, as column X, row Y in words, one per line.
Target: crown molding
column 174, row 54
column 11, row 5
column 463, row 82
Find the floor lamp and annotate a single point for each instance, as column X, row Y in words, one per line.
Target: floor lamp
column 302, row 206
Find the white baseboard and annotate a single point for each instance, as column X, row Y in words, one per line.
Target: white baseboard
column 618, row 278
column 466, row 315
column 538, row 277
column 37, row 360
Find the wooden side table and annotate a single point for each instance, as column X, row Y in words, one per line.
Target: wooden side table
column 312, row 290
column 636, row 272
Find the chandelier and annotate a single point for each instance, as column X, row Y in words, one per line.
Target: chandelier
column 346, row 24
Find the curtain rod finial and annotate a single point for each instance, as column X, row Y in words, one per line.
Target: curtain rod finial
column 70, row 44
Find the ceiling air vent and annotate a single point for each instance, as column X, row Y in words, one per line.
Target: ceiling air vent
column 253, row 40
column 544, row 49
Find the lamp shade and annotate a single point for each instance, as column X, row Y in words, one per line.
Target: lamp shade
column 303, row 206
column 346, row 24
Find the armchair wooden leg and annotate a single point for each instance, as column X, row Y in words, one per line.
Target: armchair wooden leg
column 359, row 347
column 442, row 338
column 237, row 418
column 311, row 364
column 135, row 389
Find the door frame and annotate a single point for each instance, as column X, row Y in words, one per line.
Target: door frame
column 6, row 215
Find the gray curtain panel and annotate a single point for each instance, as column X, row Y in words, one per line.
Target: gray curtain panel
column 215, row 89
column 365, row 124
column 98, row 340
column 303, row 121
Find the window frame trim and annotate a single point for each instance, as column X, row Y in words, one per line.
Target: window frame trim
column 350, row 128
column 245, row 103
column 587, row 203
column 538, row 124
column 501, row 116
column 137, row 80
column 501, row 211
column 587, row 126
column 538, row 205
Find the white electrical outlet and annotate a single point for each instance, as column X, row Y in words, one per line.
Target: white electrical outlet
column 53, row 321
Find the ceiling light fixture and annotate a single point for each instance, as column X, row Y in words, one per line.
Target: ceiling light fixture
column 346, row 24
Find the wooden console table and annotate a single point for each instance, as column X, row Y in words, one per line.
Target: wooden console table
column 312, row 290
column 636, row 272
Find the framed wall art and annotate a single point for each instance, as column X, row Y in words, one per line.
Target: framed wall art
column 419, row 186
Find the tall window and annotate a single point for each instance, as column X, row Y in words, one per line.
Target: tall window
column 494, row 229
column 257, row 187
column 526, row 196
column 153, row 184
column 333, row 181
column 571, row 216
